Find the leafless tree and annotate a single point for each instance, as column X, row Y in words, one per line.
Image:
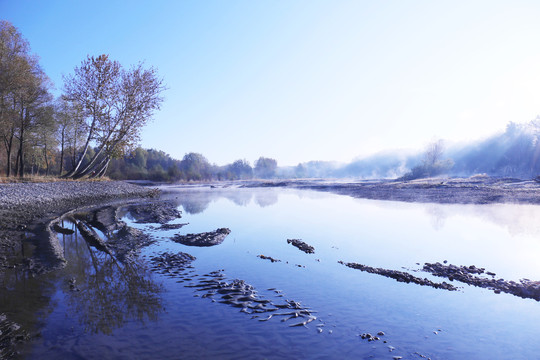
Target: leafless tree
column 433, row 154
column 117, row 103
column 71, row 131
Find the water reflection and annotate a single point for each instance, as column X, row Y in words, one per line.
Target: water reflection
column 98, row 295
column 268, row 198
column 437, row 216
column 517, row 219
column 103, row 293
column 196, row 201
column 23, row 294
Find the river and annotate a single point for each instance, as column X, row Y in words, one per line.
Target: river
column 99, row 307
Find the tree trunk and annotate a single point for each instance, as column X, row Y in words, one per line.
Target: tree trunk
column 46, row 161
column 103, row 166
column 91, row 164
column 8, row 143
column 8, row 163
column 73, row 158
column 62, row 152
column 20, row 161
column 16, row 169
column 85, row 149
column 92, row 172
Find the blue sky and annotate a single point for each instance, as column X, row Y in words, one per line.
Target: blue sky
column 306, row 80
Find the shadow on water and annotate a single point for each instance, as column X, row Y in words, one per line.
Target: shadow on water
column 95, row 289
column 104, row 293
column 22, row 295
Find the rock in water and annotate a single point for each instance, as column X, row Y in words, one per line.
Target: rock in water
column 203, row 239
column 268, row 258
column 308, row 249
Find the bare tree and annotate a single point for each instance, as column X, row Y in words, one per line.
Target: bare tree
column 117, row 103
column 46, row 142
column 433, row 154
column 71, row 131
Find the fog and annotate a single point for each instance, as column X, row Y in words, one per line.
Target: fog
column 514, row 152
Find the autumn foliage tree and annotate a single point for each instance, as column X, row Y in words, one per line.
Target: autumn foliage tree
column 24, row 98
column 116, row 104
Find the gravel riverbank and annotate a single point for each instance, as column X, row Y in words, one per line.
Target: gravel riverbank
column 27, row 208
column 24, row 203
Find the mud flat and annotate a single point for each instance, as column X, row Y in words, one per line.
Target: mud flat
column 477, row 189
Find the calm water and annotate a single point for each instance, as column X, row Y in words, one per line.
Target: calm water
column 128, row 312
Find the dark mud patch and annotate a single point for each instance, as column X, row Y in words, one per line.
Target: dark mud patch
column 105, row 219
column 308, row 249
column 172, row 226
column 400, row 276
column 268, row 258
column 159, row 212
column 236, row 293
column 30, row 252
column 211, row 238
column 16, row 250
column 525, row 288
column 128, row 242
column 167, row 263
column 11, row 334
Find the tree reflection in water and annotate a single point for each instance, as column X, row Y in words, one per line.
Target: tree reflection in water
column 104, row 293
column 196, row 201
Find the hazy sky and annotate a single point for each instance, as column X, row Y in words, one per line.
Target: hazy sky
column 306, row 80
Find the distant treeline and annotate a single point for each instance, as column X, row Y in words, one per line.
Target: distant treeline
column 156, row 165
column 512, row 153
